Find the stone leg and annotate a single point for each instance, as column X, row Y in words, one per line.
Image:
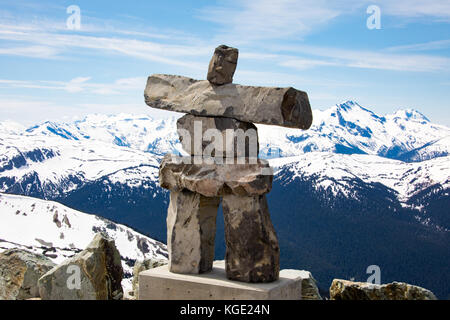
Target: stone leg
column 191, row 230
column 252, row 254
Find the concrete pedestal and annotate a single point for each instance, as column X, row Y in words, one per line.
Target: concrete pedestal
column 160, row 284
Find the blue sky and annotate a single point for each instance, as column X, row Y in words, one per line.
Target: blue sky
column 49, row 72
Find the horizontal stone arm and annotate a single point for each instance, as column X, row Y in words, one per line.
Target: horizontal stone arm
column 287, row 107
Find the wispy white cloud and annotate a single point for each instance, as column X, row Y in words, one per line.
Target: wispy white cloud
column 29, row 110
column 119, row 86
column 366, row 60
column 268, row 19
column 49, row 45
column 439, row 9
column 426, row 46
column 302, row 64
column 42, row 52
column 285, row 79
column 248, row 20
column 54, row 44
column 80, row 84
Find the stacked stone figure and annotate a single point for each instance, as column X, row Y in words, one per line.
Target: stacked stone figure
column 222, row 165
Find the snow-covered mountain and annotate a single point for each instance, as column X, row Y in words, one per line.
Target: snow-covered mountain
column 54, row 158
column 104, row 158
column 354, row 180
column 50, row 160
column 48, row 166
column 59, row 232
column 138, row 132
column 348, row 128
column 334, row 171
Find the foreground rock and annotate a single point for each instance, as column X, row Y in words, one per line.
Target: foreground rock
column 191, row 230
column 252, row 253
column 286, row 107
column 140, row 266
column 349, row 290
column 218, row 137
column 93, row 274
column 310, row 291
column 222, row 65
column 20, row 271
column 215, row 180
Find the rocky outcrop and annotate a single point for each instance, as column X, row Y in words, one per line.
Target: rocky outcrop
column 252, row 253
column 191, row 230
column 310, row 291
column 20, row 271
column 222, row 65
column 349, row 290
column 143, row 265
column 217, row 137
column 93, row 274
column 287, row 107
column 215, row 180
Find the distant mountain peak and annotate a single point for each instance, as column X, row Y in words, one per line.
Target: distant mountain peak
column 351, row 105
column 348, row 103
column 410, row 114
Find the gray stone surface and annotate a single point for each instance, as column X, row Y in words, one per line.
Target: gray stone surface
column 191, row 230
column 217, row 136
column 222, row 65
column 160, row 284
column 310, row 291
column 20, row 271
column 252, row 253
column 215, row 180
column 142, row 265
column 286, row 107
column 98, row 269
column 349, row 290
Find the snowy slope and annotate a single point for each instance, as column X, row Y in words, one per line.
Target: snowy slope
column 349, row 128
column 56, row 165
column 11, row 127
column 108, row 165
column 52, row 159
column 336, row 171
column 60, row 232
column 139, row 132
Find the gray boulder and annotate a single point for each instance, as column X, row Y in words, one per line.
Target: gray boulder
column 349, row 290
column 310, row 291
column 93, row 274
column 286, row 107
column 222, row 65
column 142, row 265
column 20, row 271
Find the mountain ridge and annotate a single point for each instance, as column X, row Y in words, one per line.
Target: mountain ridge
column 344, row 128
column 354, row 180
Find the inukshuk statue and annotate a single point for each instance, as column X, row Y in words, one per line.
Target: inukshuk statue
column 222, row 164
